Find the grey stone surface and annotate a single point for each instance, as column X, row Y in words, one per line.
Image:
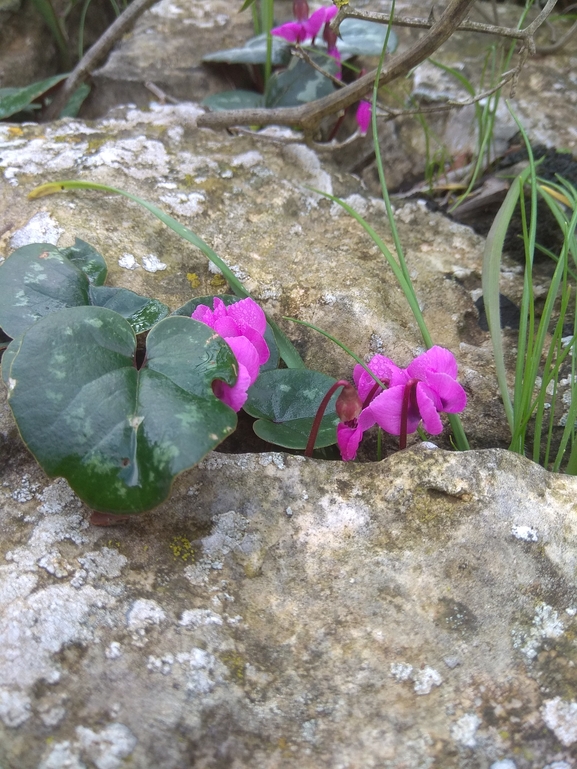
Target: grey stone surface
column 283, row 612
column 27, row 49
column 166, row 47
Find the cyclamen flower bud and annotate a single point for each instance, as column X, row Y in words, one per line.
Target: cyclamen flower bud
column 329, row 36
column 300, row 10
column 348, row 405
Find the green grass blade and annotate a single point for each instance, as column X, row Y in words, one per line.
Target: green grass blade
column 343, row 347
column 406, row 286
column 287, row 350
column 45, row 9
column 490, row 284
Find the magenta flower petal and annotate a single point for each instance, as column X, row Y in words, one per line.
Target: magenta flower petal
column 209, row 317
column 259, row 343
column 234, row 395
column 428, row 409
column 246, row 354
column 316, row 21
column 436, row 359
column 348, row 439
column 387, row 407
column 330, row 13
column 292, row 31
column 452, row 396
column 225, row 326
column 247, row 314
column 203, row 314
column 242, row 325
column 364, row 111
column 350, row 434
column 220, row 309
column 383, row 368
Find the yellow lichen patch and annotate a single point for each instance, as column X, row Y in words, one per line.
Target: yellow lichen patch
column 217, row 282
column 96, row 143
column 15, row 130
column 235, row 664
column 182, row 549
column 193, row 279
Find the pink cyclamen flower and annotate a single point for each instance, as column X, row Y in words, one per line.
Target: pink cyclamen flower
column 350, row 434
column 364, row 112
column 242, row 325
column 430, row 388
column 305, row 28
column 427, row 387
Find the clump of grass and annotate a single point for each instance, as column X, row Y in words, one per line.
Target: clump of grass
column 542, row 349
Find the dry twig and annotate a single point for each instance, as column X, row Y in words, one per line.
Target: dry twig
column 309, row 116
column 556, row 45
column 94, row 56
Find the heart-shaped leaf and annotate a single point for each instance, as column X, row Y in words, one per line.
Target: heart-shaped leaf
column 239, row 99
column 285, row 403
column 117, row 434
column 39, row 279
column 301, row 83
column 253, row 52
column 87, row 258
column 190, row 306
column 142, row 313
column 364, row 38
column 13, row 100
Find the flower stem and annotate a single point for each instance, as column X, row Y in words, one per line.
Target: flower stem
column 408, row 393
column 371, row 395
column 319, row 415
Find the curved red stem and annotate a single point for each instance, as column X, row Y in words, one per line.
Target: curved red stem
column 319, row 415
column 408, row 393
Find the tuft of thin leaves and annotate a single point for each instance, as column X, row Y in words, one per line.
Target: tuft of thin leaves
column 536, row 390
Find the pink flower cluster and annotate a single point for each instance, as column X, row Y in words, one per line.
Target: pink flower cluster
column 305, row 27
column 242, row 325
column 427, row 387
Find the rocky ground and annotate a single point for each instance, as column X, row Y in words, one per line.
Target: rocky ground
column 277, row 611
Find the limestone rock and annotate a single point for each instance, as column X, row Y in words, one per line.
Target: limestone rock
column 166, row 48
column 27, row 49
column 279, row 611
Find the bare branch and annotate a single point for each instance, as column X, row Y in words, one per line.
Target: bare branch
column 416, row 22
column 303, row 54
column 309, row 116
column 450, row 104
column 556, row 45
column 94, row 55
column 466, row 26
